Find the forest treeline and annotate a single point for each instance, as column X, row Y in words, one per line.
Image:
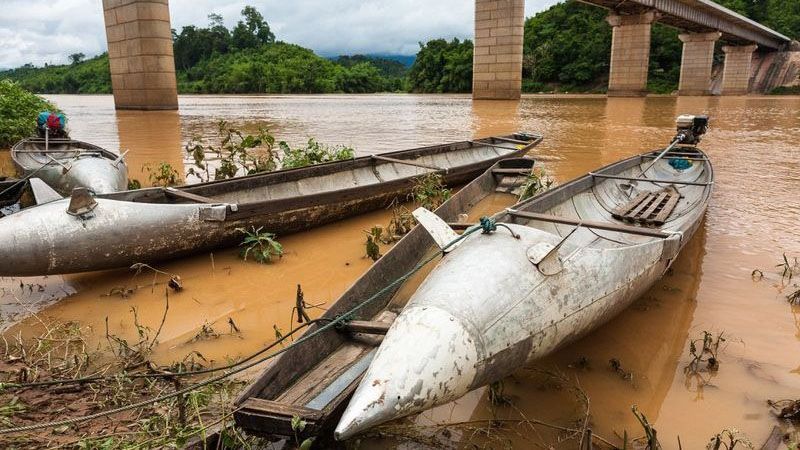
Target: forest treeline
column 566, row 48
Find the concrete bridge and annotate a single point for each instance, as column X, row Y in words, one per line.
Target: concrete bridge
column 497, row 64
column 143, row 68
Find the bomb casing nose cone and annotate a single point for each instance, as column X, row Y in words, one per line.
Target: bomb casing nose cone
column 427, row 358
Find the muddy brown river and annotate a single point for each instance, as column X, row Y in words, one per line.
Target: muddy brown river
column 752, row 221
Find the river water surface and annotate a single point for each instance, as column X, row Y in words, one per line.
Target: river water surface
column 752, row 221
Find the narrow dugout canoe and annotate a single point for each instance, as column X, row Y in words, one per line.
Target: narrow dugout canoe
column 315, row 380
column 65, row 164
column 579, row 255
column 86, row 233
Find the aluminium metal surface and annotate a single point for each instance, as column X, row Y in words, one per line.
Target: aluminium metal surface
column 65, row 164
column 552, row 284
column 315, row 379
column 153, row 224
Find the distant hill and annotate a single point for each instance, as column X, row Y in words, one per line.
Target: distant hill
column 387, row 67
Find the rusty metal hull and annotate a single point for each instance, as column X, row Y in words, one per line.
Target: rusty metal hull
column 460, row 331
column 155, row 224
column 65, row 164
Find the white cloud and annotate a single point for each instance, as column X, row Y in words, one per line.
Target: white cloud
column 46, row 32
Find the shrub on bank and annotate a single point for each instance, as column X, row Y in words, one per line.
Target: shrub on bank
column 18, row 110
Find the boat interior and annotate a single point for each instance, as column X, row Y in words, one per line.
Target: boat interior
column 35, row 152
column 327, row 177
column 627, row 203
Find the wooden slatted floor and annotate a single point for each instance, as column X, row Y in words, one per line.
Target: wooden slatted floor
column 649, row 208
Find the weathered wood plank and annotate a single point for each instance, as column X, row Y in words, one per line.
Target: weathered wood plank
column 511, row 171
column 621, row 211
column 659, row 202
column 647, row 180
column 590, row 224
column 409, row 163
column 666, row 210
column 367, row 326
column 172, row 192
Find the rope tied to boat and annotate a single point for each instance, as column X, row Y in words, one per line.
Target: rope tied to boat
column 336, row 322
column 489, row 225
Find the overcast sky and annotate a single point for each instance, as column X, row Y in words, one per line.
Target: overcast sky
column 48, row 31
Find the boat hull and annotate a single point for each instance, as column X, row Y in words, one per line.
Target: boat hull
column 486, row 327
column 134, row 226
column 98, row 174
column 65, row 164
column 500, row 300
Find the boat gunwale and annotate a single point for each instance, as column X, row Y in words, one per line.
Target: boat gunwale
column 17, row 151
column 331, row 167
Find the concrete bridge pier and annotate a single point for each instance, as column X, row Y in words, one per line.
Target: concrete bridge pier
column 497, row 57
column 736, row 74
column 630, row 54
column 697, row 62
column 140, row 54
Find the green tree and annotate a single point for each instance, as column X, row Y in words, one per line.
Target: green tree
column 568, row 44
column 252, row 31
column 442, row 66
column 75, row 58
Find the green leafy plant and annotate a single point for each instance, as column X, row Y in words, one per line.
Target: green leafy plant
column 261, row 245
column 237, row 151
column 18, row 110
column 313, row 153
column 374, row 236
column 400, row 224
column 538, row 181
column 298, row 425
column 134, row 184
column 162, row 174
column 429, row 191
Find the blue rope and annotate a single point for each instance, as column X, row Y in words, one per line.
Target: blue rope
column 489, row 225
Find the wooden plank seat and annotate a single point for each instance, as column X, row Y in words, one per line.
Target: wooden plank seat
column 649, row 208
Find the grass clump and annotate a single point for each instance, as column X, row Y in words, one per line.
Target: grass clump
column 18, row 110
column 262, row 245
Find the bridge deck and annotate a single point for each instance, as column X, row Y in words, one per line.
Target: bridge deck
column 701, row 16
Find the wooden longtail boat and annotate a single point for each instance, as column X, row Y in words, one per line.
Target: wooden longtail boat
column 314, row 380
column 564, row 263
column 65, row 164
column 86, row 232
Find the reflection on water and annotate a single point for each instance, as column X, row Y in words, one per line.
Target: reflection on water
column 751, row 222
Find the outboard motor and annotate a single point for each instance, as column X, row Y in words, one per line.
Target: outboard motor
column 691, row 128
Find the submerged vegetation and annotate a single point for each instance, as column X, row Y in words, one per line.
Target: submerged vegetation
column 18, row 111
